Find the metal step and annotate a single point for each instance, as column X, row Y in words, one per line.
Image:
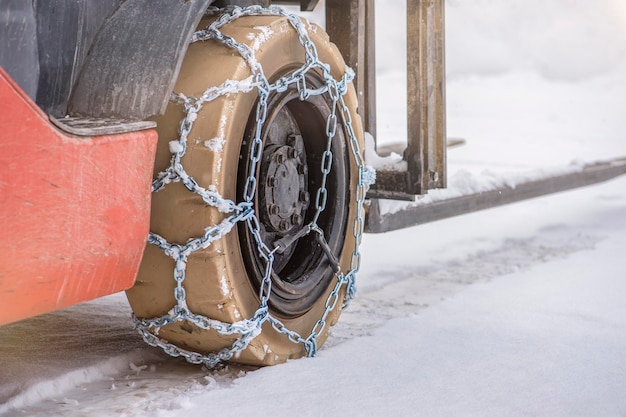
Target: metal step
column 82, row 126
column 418, row 212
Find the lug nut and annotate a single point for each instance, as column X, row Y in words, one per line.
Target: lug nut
column 284, row 225
column 271, row 181
column 296, row 219
column 304, row 196
column 293, row 139
column 280, row 158
column 273, row 209
column 292, row 153
column 303, row 169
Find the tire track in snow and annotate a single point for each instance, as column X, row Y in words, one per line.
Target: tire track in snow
column 385, row 295
column 405, row 290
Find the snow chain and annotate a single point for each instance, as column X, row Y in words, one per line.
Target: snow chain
column 248, row 329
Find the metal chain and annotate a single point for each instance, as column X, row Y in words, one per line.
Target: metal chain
column 246, row 330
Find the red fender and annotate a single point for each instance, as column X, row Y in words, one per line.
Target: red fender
column 74, row 211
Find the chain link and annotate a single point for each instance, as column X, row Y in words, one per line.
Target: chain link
column 246, row 330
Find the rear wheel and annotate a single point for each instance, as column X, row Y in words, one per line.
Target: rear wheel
column 290, row 250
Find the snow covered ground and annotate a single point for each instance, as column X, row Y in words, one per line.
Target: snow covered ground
column 514, row 311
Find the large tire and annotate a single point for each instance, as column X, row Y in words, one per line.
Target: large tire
column 222, row 281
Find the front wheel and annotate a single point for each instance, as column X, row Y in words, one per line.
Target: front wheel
column 257, row 217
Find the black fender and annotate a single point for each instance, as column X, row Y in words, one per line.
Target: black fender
column 102, row 58
column 65, row 32
column 18, row 44
column 134, row 60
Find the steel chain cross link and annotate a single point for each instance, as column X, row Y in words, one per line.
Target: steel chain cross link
column 248, row 329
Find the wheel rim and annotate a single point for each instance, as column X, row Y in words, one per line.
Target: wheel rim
column 288, row 178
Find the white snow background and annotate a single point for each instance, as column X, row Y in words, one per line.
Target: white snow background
column 514, row 311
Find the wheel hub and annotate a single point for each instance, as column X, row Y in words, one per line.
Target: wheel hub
column 284, row 198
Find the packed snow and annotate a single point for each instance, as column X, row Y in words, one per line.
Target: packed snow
column 514, row 311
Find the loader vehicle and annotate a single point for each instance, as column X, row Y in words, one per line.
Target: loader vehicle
column 208, row 158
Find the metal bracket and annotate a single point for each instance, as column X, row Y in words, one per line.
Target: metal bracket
column 305, row 5
column 413, row 215
column 426, row 151
column 350, row 24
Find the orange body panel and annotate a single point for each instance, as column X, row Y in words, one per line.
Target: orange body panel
column 74, row 212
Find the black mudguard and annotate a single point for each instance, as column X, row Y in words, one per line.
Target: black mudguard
column 134, row 61
column 101, row 58
column 65, row 32
column 18, row 44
